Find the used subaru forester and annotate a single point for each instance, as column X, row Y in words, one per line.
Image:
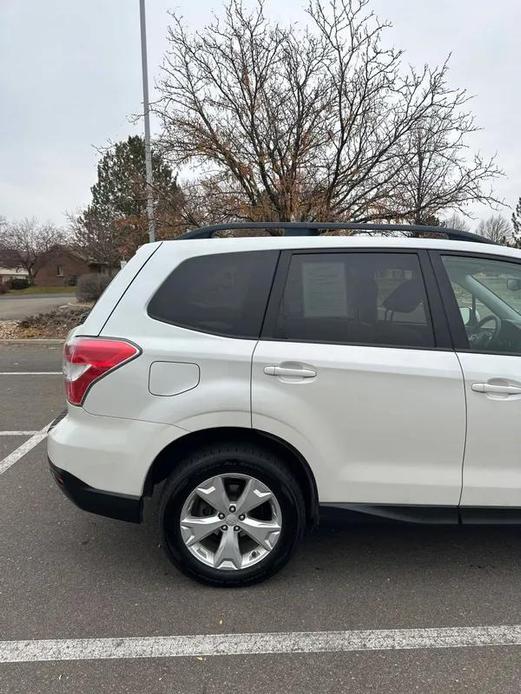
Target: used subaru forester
column 264, row 377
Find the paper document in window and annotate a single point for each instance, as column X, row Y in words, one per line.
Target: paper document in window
column 324, row 289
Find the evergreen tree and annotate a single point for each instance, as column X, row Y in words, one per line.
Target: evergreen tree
column 115, row 223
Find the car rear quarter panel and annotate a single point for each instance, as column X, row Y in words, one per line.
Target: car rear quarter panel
column 222, row 395
column 116, row 289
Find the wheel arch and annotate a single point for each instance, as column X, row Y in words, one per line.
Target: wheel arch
column 183, row 446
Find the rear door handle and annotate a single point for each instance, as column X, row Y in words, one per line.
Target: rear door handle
column 490, row 388
column 291, row 372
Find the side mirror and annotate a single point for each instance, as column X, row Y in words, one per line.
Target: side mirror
column 513, row 284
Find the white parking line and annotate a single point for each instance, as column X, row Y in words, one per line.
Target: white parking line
column 31, row 373
column 17, row 433
column 26, row 446
column 257, row 644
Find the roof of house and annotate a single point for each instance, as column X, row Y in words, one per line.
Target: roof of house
column 69, row 250
column 10, row 271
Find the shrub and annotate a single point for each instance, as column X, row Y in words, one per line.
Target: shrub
column 90, row 287
column 19, row 283
column 3, row 287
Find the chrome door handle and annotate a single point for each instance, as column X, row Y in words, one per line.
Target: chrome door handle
column 286, row 371
column 490, row 388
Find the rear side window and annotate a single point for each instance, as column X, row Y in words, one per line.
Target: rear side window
column 223, row 293
column 355, row 297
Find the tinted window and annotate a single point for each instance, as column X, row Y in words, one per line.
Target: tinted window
column 488, row 294
column 364, row 298
column 225, row 293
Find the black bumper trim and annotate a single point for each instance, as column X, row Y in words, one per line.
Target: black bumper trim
column 121, row 506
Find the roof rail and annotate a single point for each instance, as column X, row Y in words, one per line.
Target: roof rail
column 314, row 228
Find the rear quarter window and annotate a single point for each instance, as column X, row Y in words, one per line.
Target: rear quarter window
column 223, row 293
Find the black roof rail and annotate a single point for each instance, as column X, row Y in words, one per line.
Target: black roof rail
column 314, row 228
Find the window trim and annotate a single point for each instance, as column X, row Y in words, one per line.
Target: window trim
column 438, row 320
column 454, row 319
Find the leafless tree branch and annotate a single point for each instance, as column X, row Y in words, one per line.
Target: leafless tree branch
column 319, row 123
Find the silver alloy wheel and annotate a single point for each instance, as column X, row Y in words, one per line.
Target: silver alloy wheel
column 231, row 521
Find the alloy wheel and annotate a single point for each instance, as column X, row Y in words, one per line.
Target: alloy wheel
column 231, row 521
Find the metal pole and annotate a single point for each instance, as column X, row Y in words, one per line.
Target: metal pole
column 146, row 112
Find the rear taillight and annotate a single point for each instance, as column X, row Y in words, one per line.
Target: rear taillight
column 87, row 359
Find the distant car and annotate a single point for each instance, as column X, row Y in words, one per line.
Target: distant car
column 264, row 378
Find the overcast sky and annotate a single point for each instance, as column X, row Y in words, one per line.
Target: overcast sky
column 70, row 78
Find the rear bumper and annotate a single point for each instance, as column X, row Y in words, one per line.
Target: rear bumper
column 108, row 453
column 121, row 506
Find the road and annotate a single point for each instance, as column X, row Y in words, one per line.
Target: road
column 18, row 307
column 65, row 574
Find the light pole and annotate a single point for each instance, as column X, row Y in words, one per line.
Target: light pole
column 146, row 113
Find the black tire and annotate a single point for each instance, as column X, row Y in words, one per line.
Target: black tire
column 227, row 459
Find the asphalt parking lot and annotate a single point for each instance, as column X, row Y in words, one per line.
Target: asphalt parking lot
column 68, row 575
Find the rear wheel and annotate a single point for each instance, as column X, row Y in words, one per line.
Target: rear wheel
column 231, row 515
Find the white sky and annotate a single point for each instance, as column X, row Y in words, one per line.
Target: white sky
column 70, row 78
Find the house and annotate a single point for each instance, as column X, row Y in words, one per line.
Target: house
column 59, row 267
column 11, row 273
column 62, row 265
column 9, row 268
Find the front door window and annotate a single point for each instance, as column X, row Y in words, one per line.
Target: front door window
column 488, row 294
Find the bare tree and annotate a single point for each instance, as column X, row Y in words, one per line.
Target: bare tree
column 317, row 123
column 516, row 222
column 92, row 235
column 436, row 173
column 456, row 221
column 26, row 243
column 496, row 228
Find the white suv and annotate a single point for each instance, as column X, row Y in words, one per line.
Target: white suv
column 263, row 378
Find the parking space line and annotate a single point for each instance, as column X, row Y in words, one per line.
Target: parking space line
column 26, row 446
column 17, row 433
column 257, row 644
column 31, row 373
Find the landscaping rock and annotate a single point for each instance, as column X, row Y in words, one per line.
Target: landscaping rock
column 8, row 329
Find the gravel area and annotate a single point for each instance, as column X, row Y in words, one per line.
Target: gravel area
column 8, row 329
column 55, row 323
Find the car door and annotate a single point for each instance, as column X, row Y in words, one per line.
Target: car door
column 355, row 370
column 482, row 294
